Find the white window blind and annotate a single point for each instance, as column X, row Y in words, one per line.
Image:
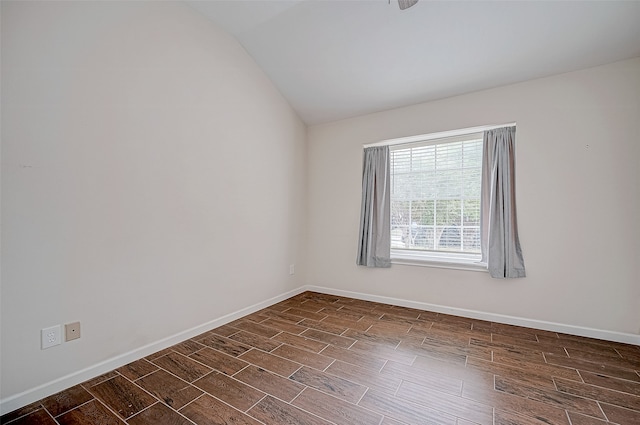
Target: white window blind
column 435, row 195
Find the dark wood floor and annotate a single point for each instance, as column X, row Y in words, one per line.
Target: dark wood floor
column 318, row 359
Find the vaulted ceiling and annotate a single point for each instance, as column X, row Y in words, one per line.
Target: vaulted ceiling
column 337, row 59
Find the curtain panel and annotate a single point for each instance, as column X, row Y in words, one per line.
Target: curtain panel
column 374, row 243
column 499, row 241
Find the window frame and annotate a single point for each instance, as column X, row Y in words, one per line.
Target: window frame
column 434, row 258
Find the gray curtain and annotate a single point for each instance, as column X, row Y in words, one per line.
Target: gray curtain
column 374, row 244
column 498, row 225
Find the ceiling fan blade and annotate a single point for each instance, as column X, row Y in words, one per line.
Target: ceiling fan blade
column 405, row 4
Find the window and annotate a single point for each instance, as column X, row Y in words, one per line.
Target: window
column 435, row 199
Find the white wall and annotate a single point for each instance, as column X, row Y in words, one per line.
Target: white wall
column 153, row 179
column 578, row 198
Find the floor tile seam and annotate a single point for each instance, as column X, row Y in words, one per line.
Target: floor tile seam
column 249, row 364
column 193, row 360
column 514, row 409
column 166, row 351
column 531, row 385
column 533, row 417
column 348, row 380
column 328, row 333
column 343, row 332
column 300, row 347
column 251, row 333
column 441, row 410
column 264, row 394
column 257, row 334
column 144, row 376
column 532, row 362
column 546, row 402
column 302, row 364
column 421, row 406
column 255, row 388
column 196, row 398
column 51, row 416
column 542, row 374
column 449, row 379
column 605, row 402
column 196, row 352
column 175, row 411
column 603, row 412
column 157, row 399
column 357, row 404
column 432, row 356
column 87, row 387
column 600, row 386
column 437, row 375
column 302, row 317
column 211, row 367
column 171, row 351
column 299, row 324
column 232, row 340
column 589, row 351
column 421, row 328
column 318, row 329
column 113, row 411
column 634, row 411
column 269, row 339
column 601, row 372
column 152, row 395
column 569, row 421
column 22, row 416
column 595, row 341
column 190, row 384
column 283, row 358
column 262, row 321
column 247, row 412
column 126, row 420
column 224, row 402
column 365, row 387
column 69, row 410
column 221, row 352
column 608, row 355
column 602, row 362
column 373, row 359
column 15, row 420
column 187, row 340
column 315, row 414
column 272, row 373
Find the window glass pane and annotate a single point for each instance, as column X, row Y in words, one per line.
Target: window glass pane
column 471, row 212
column 448, row 212
column 472, row 154
column 471, row 239
column 435, row 196
column 449, row 238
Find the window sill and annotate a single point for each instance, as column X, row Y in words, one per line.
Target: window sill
column 438, row 260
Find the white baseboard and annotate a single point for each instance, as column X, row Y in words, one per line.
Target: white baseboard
column 22, row 399
column 491, row 317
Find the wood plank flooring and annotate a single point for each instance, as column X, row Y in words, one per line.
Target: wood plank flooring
column 319, row 359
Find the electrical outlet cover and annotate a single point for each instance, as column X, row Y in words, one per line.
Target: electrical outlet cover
column 51, row 336
column 71, row 331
